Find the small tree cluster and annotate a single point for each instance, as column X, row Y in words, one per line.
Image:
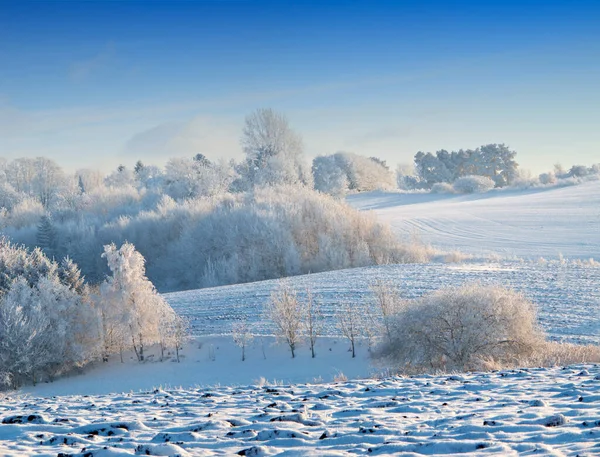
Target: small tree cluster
column 294, row 319
column 494, row 161
column 46, row 318
column 51, row 322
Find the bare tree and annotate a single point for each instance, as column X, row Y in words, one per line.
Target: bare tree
column 285, row 311
column 242, row 336
column 350, row 322
column 313, row 318
column 388, row 304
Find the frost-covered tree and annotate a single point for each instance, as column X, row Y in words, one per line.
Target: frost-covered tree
column 70, row 275
column 130, row 305
column 26, row 337
column 388, row 304
column 121, row 177
column 431, row 169
column 46, row 236
column 274, row 152
column 190, row 178
column 329, row 177
column 343, row 171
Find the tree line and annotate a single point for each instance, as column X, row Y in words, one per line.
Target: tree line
column 52, row 322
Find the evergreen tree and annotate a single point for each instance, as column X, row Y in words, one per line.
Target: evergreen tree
column 46, row 236
column 70, row 275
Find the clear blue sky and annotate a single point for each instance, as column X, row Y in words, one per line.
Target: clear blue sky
column 102, row 83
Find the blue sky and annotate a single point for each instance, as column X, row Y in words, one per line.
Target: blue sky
column 102, row 83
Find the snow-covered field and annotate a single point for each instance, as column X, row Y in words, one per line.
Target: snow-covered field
column 567, row 294
column 526, row 223
column 223, row 406
column 521, row 412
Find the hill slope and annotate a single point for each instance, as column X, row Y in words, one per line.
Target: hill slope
column 528, row 223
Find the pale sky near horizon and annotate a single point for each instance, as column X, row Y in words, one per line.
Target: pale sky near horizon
column 102, row 83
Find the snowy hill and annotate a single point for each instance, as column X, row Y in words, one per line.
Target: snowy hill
column 566, row 293
column 528, row 223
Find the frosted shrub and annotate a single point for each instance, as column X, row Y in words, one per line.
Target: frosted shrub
column 442, row 188
column 547, row 178
column 473, row 184
column 461, row 328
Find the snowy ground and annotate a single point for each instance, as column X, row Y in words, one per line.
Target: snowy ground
column 527, row 223
column 216, row 361
column 522, row 412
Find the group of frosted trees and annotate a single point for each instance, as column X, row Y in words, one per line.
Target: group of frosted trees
column 470, row 327
column 52, row 322
column 301, row 319
column 199, row 222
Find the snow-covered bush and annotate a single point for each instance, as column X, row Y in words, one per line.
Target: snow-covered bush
column 463, row 328
column 547, row 178
column 472, row 185
column 442, row 188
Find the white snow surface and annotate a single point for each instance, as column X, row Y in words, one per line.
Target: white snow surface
column 520, row 412
column 545, row 222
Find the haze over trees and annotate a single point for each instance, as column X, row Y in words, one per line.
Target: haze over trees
column 200, row 222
